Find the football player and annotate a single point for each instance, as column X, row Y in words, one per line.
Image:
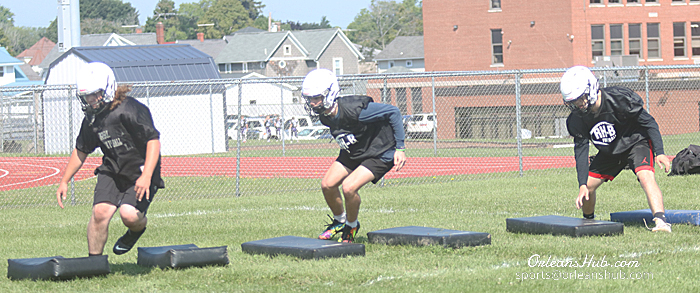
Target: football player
column 371, row 138
column 129, row 175
column 625, row 134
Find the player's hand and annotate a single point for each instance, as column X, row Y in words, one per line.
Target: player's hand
column 142, row 187
column 399, row 159
column 61, row 193
column 582, row 193
column 664, row 162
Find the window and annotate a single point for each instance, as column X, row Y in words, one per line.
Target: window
column 409, row 63
column 596, row 1
column 417, row 100
column 614, row 2
column 616, row 39
column 598, row 40
column 2, row 71
column 496, row 4
column 677, row 1
column 653, row 42
column 650, row 1
column 695, row 35
column 338, row 66
column 287, row 50
column 635, row 39
column 391, row 64
column 225, row 67
column 632, row 1
column 497, row 46
column 679, row 39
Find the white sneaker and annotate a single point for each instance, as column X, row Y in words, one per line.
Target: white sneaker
column 661, row 226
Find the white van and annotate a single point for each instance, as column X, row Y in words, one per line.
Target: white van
column 420, row 125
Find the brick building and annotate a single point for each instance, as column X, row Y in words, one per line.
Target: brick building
column 496, row 34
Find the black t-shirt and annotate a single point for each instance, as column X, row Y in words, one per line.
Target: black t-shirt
column 360, row 140
column 620, row 123
column 122, row 134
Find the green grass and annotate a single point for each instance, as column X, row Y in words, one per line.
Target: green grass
column 672, row 260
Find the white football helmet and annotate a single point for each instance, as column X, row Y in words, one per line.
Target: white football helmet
column 579, row 82
column 96, row 78
column 320, row 83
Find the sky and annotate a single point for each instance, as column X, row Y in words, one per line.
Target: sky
column 40, row 13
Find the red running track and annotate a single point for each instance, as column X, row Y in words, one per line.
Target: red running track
column 24, row 172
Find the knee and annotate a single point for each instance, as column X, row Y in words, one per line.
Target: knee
column 349, row 189
column 328, row 186
column 646, row 177
column 102, row 213
column 130, row 218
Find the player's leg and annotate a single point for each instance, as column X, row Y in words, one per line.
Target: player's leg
column 641, row 159
column 603, row 168
column 331, row 193
column 98, row 226
column 588, row 207
column 133, row 215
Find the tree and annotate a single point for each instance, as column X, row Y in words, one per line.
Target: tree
column 296, row 26
column 19, row 39
column 377, row 26
column 109, row 10
column 177, row 25
column 227, row 16
column 6, row 16
column 253, row 7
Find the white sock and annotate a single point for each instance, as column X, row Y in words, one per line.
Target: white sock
column 352, row 224
column 340, row 218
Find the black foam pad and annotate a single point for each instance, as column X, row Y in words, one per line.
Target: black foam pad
column 306, row 248
column 57, row 267
column 558, row 225
column 420, row 236
column 182, row 256
column 691, row 217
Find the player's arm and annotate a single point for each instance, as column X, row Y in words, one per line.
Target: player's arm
column 581, row 156
column 378, row 112
column 143, row 184
column 77, row 158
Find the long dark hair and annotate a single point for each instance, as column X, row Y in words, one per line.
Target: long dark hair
column 120, row 95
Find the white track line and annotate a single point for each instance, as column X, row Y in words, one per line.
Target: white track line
column 6, row 172
column 56, row 171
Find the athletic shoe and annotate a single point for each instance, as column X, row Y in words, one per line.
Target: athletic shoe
column 349, row 233
column 661, row 226
column 331, row 229
column 126, row 242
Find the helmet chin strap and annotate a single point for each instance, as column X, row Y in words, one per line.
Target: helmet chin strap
column 331, row 109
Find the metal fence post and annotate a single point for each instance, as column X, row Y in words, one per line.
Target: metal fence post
column 434, row 118
column 2, row 122
column 35, row 97
column 282, row 117
column 519, row 125
column 70, row 142
column 238, row 148
column 211, row 118
column 646, row 87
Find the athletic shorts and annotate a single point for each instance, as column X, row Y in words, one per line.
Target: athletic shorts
column 120, row 191
column 639, row 157
column 375, row 165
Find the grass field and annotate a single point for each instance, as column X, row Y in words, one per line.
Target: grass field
column 666, row 262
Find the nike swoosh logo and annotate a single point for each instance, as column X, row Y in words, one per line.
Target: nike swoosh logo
column 120, row 248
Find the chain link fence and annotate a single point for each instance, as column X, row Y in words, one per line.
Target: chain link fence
column 234, row 137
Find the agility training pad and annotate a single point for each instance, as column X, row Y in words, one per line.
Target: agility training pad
column 182, row 256
column 57, row 267
column 672, row 216
column 559, row 225
column 305, row 248
column 423, row 236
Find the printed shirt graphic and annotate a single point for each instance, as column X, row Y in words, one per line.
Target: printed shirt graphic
column 603, row 133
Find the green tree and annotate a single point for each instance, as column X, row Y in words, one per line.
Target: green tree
column 227, row 16
column 296, row 26
column 21, row 38
column 377, row 26
column 253, row 7
column 177, row 25
column 109, row 10
column 6, row 16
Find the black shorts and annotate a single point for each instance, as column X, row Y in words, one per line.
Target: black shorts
column 375, row 165
column 119, row 191
column 639, row 157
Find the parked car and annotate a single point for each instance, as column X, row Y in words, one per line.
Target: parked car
column 312, row 132
column 420, row 125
